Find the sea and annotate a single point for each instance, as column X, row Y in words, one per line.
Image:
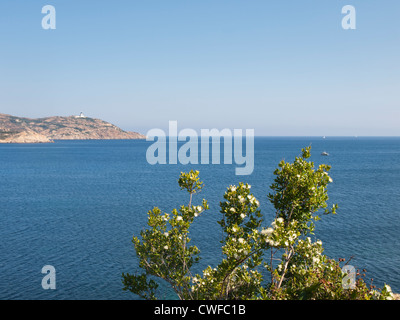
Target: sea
column 75, row 205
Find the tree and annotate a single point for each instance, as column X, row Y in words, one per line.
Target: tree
column 301, row 271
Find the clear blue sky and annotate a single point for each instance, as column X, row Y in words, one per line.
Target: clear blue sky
column 279, row 67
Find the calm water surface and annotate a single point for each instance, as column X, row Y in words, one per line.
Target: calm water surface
column 76, row 204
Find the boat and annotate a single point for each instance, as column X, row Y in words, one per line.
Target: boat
column 324, row 153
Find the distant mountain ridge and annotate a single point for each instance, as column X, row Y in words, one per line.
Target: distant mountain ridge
column 41, row 130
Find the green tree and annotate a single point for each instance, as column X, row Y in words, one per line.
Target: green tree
column 297, row 267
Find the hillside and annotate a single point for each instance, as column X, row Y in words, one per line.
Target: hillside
column 25, row 130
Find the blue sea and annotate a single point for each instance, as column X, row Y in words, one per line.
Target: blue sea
column 75, row 205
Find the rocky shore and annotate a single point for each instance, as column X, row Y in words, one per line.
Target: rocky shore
column 43, row 130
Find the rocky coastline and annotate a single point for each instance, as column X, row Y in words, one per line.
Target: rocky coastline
column 46, row 130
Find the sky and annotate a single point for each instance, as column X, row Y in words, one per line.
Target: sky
column 282, row 68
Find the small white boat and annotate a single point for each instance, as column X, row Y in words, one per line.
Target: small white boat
column 324, row 153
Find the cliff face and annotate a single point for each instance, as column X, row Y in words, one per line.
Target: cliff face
column 25, row 130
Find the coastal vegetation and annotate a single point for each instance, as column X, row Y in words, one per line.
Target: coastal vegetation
column 272, row 262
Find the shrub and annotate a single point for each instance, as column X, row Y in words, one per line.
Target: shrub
column 296, row 266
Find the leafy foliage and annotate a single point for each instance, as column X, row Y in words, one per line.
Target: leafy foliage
column 301, row 270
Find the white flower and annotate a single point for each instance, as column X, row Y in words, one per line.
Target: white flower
column 166, row 216
column 241, row 199
column 166, row 234
column 293, row 235
column 178, row 218
column 232, row 210
column 196, row 214
column 234, row 229
column 166, row 247
column 280, row 220
column 199, row 208
column 242, row 215
column 267, row 232
column 233, row 188
column 388, row 288
column 330, row 179
column 375, row 294
column 241, row 240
